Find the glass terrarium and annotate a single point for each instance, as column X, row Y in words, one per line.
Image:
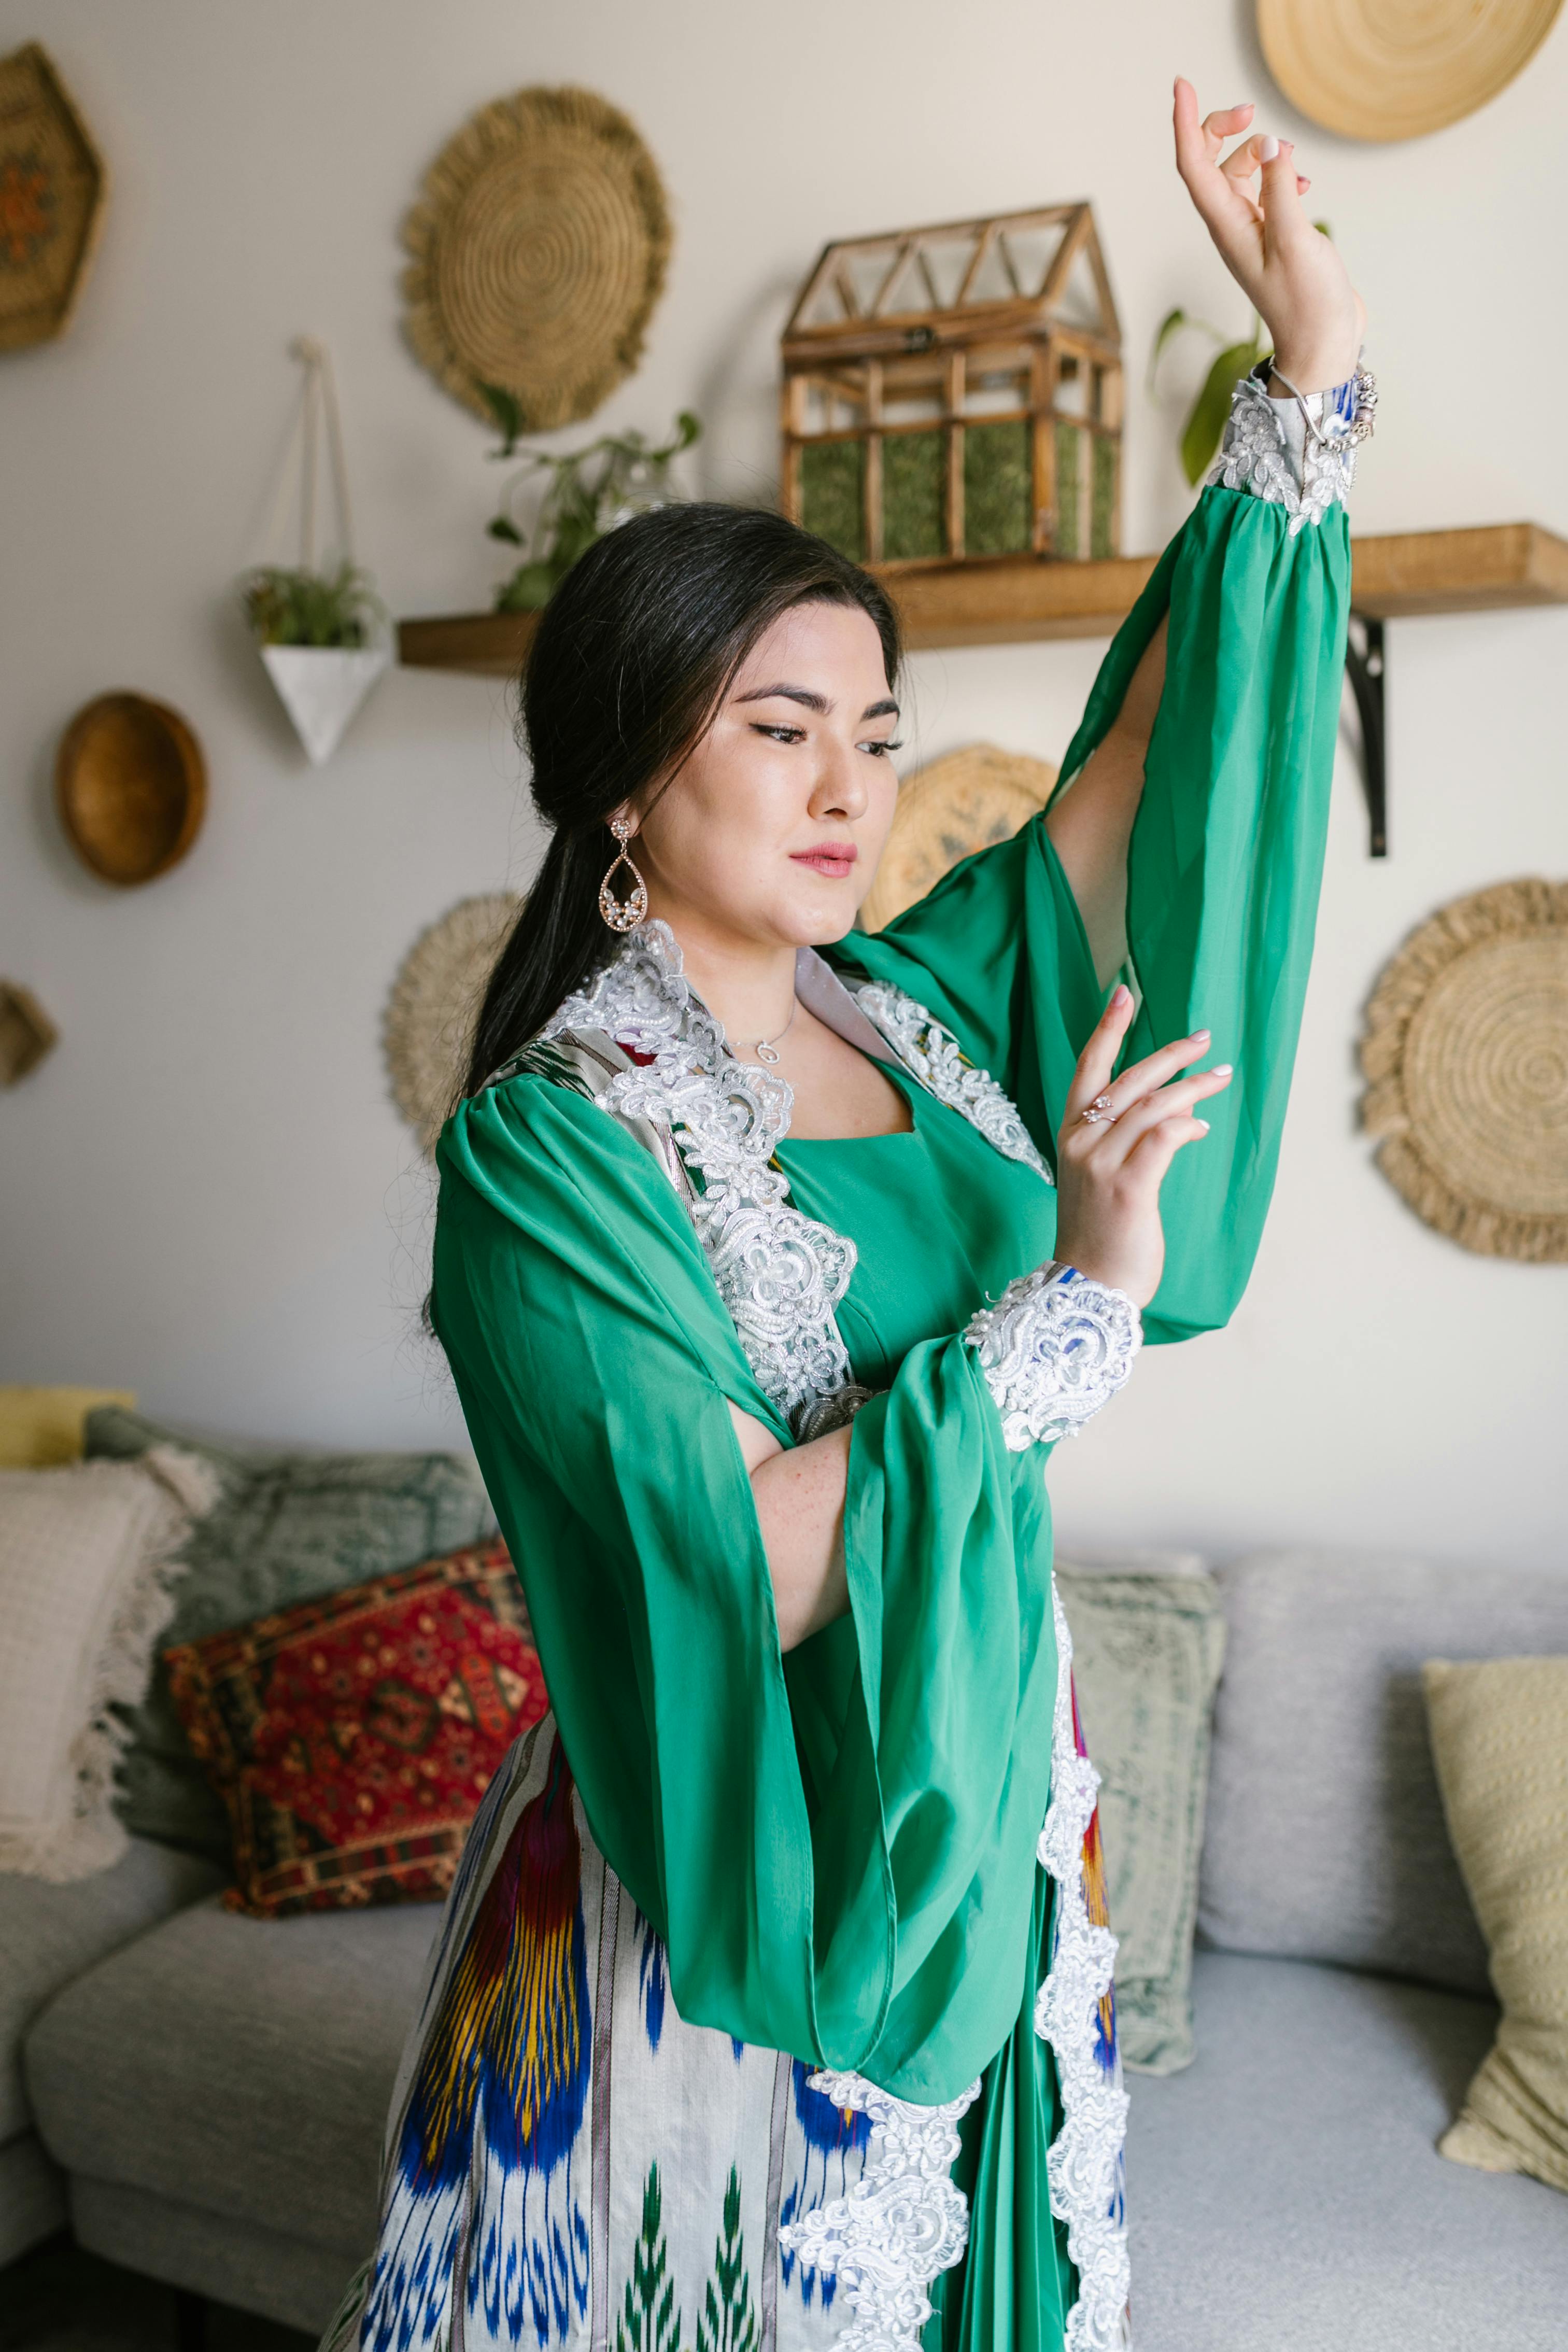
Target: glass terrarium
column 954, row 394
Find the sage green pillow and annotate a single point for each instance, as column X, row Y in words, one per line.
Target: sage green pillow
column 289, row 1527
column 1148, row 1641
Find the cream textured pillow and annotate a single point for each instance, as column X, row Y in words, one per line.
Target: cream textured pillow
column 86, row 1567
column 1500, row 1735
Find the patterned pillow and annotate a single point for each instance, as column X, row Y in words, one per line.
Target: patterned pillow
column 351, row 1739
column 289, row 1527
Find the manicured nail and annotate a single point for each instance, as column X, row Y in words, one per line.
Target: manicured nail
column 1268, row 149
column 1197, row 1036
column 1220, row 1070
column 1201, row 1125
column 1120, row 995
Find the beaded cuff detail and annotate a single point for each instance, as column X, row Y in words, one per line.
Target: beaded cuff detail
column 1054, row 1349
column 1299, row 452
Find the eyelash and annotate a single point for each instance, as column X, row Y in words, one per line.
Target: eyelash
column 797, row 735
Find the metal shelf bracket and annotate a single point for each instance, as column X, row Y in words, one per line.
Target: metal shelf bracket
column 1363, row 661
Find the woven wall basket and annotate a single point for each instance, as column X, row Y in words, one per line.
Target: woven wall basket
column 1387, row 69
column 946, row 811
column 1466, row 1052
column 540, row 245
column 428, row 1026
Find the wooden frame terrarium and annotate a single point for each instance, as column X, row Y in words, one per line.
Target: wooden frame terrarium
column 954, row 394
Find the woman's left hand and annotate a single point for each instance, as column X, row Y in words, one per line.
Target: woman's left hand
column 1289, row 271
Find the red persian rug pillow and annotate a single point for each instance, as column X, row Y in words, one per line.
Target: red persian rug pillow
column 352, row 1737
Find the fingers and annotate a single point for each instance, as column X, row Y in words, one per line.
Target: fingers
column 1122, row 1140
column 1098, row 1058
column 1280, row 193
column 1159, row 1147
column 1141, row 1078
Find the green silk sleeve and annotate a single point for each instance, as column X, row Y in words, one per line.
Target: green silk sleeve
column 1223, row 875
column 823, row 1885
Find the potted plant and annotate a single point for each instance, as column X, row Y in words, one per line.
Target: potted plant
column 589, row 492
column 323, row 641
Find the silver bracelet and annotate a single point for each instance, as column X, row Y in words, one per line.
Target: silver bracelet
column 1299, row 452
column 1054, row 1348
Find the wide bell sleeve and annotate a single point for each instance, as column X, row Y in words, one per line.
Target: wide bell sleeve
column 841, row 1860
column 1224, row 870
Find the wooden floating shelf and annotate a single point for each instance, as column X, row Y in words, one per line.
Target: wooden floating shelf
column 1394, row 575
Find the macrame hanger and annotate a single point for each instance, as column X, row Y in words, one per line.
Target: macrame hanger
column 317, row 428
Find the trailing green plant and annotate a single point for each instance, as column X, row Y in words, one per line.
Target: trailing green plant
column 1205, row 426
column 589, row 492
column 300, row 607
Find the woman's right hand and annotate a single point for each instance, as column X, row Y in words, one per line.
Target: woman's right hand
column 1110, row 1168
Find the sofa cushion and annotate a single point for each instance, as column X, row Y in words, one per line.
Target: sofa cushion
column 266, row 2049
column 32, row 2196
column 1285, row 2195
column 51, row 1935
column 233, row 2261
column 1499, row 1732
column 1147, row 1641
column 352, row 1737
column 289, row 1525
column 1327, row 1839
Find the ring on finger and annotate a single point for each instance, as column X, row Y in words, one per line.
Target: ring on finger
column 1101, row 1107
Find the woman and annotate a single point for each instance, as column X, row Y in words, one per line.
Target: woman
column 772, row 2005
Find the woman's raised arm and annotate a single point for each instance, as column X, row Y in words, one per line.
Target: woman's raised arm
column 1297, row 282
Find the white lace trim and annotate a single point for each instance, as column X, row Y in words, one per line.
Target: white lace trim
column 933, row 1056
column 1268, row 450
column 1054, row 1349
column 902, row 2222
column 779, row 1273
column 1086, row 2157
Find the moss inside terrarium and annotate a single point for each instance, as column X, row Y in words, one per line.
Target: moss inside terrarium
column 833, row 494
column 998, row 489
column 1103, row 506
column 914, row 499
column 1069, row 491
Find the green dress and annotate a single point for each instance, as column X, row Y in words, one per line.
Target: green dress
column 834, row 1860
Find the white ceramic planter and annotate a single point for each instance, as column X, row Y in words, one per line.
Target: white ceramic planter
column 321, row 688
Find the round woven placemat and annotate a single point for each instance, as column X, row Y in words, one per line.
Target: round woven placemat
column 428, row 1025
column 946, row 811
column 1396, row 68
column 1465, row 1051
column 540, row 245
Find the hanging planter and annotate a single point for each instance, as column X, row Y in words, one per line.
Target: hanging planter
column 322, row 635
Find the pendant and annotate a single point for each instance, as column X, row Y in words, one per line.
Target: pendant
column 765, row 1052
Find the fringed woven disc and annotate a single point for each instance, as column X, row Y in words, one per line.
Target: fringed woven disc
column 947, row 811
column 434, row 1001
column 1465, row 1053
column 540, row 245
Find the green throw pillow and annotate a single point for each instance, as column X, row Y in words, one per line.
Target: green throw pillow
column 1147, row 1648
column 289, row 1527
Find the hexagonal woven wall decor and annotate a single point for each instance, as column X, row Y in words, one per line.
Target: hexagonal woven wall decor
column 52, row 191
column 539, row 245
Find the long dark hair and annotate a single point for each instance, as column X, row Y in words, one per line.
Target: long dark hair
column 635, row 651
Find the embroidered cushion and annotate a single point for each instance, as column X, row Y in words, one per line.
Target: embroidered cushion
column 86, row 1563
column 288, row 1526
column 1499, row 1734
column 1148, row 1638
column 351, row 1738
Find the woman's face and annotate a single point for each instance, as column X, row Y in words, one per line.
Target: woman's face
column 771, row 831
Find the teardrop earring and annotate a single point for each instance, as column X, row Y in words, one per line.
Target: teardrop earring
column 623, row 914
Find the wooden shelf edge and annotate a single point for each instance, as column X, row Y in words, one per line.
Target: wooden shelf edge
column 1493, row 567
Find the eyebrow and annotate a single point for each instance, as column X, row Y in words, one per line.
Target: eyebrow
column 805, row 694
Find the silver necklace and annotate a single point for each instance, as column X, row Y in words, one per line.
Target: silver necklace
column 766, row 1049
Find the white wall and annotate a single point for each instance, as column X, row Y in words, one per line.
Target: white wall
column 205, row 1193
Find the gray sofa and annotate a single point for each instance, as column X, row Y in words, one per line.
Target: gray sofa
column 204, row 2095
